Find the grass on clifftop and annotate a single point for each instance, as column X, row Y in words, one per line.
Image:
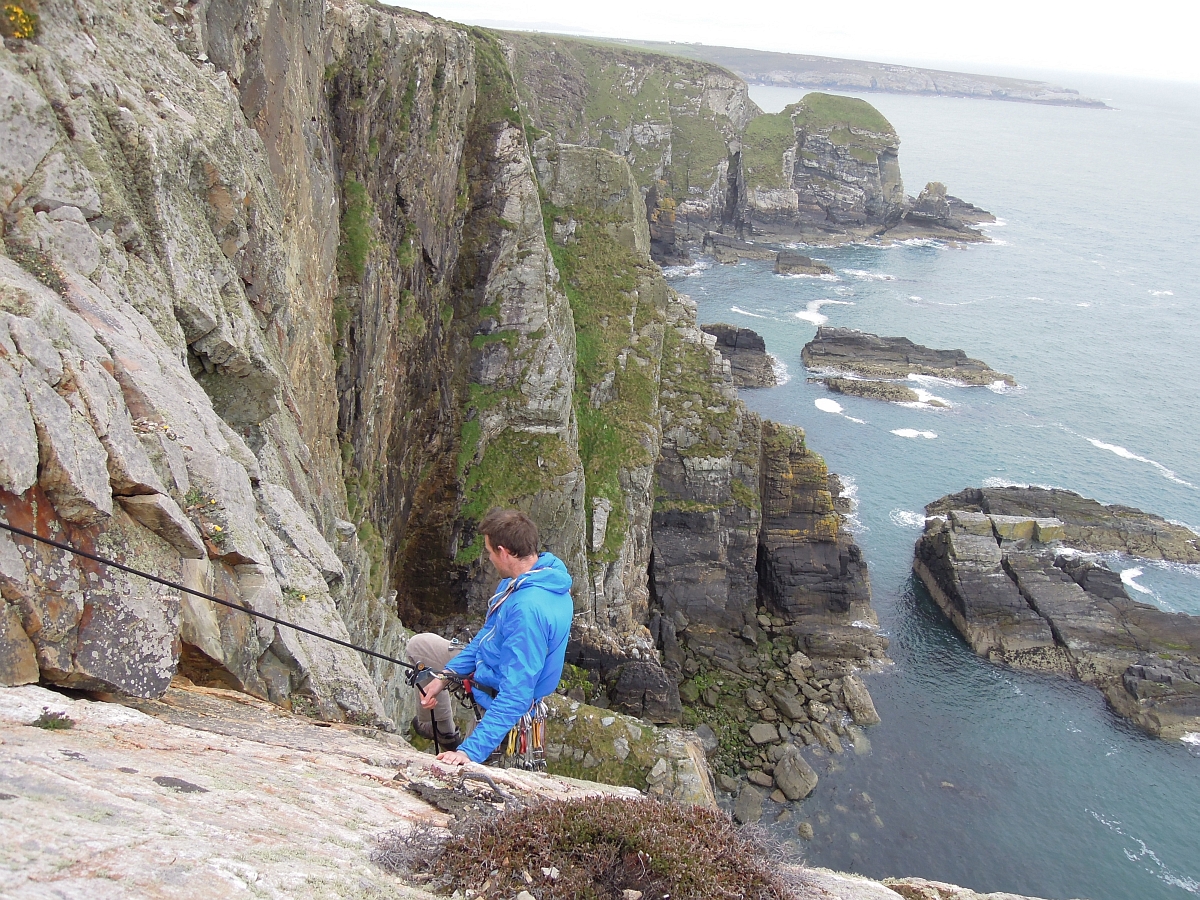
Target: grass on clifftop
column 594, row 849
column 822, row 112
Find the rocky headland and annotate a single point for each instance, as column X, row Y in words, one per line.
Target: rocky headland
column 749, row 362
column 1016, row 571
column 869, row 356
column 854, row 75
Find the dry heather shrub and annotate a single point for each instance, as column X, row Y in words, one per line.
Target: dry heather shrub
column 596, row 848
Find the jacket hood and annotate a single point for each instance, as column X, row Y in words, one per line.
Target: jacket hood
column 550, row 575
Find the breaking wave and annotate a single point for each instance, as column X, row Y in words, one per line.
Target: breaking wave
column 913, row 433
column 812, row 313
column 904, row 518
column 1130, row 455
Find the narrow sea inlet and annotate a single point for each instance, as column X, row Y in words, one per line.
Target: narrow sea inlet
column 983, row 776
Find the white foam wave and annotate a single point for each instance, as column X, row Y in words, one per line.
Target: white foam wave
column 914, row 297
column 919, row 242
column 1162, row 293
column 1130, row 455
column 999, row 223
column 782, row 375
column 746, row 312
column 1145, row 856
column 812, row 313
column 995, row 481
column 832, row 406
column 1001, row 387
column 932, row 380
column 691, row 271
column 1129, row 579
column 927, row 397
column 864, row 275
column 913, row 433
column 1191, row 737
column 904, row 518
column 1084, row 305
column 825, row 276
column 850, row 493
column 867, row 626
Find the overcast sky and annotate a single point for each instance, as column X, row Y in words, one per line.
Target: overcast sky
column 1151, row 38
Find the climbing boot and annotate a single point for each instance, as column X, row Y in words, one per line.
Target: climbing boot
column 445, row 741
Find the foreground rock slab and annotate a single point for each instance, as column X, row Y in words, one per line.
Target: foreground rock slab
column 209, row 794
column 1015, row 571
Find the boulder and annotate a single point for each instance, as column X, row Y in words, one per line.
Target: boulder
column 763, row 733
column 748, row 807
column 858, row 701
column 643, row 690
column 794, row 776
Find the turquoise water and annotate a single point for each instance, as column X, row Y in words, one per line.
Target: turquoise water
column 989, row 778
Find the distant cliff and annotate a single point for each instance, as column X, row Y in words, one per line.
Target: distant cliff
column 825, row 73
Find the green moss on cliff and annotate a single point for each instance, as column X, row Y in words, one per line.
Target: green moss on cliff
column 495, row 92
column 356, row 230
column 515, row 466
column 611, row 297
column 694, row 396
column 766, row 139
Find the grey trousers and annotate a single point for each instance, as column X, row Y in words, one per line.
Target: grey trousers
column 434, row 651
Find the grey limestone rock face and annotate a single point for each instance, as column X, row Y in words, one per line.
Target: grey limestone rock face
column 1023, row 590
column 161, row 208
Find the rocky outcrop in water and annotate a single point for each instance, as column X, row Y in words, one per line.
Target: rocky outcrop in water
column 746, row 351
column 789, row 262
column 1010, row 568
column 888, row 391
column 873, row 357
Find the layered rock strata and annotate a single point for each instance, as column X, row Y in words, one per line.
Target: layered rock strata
column 1008, row 567
column 749, row 362
column 873, row 357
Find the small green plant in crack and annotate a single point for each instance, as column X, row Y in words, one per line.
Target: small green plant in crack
column 53, row 721
column 37, row 264
column 295, row 596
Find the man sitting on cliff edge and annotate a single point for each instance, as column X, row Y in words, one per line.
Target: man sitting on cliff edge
column 517, row 656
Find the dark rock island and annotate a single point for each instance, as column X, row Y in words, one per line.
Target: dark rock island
column 875, row 358
column 746, row 351
column 1014, row 569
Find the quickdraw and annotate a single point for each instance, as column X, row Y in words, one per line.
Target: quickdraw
column 524, row 747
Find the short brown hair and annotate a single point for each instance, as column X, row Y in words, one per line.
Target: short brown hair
column 512, row 530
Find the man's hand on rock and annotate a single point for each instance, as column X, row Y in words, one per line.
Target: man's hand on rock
column 454, row 757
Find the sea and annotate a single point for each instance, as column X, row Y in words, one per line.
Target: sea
column 1089, row 295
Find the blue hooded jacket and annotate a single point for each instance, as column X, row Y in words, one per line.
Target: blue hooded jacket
column 519, row 652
